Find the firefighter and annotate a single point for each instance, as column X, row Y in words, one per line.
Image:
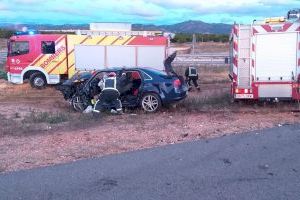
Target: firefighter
column 109, row 96
column 191, row 75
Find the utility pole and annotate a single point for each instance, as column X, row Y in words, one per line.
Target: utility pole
column 193, row 43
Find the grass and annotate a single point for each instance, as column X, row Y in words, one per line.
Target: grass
column 37, row 122
column 196, row 103
column 47, row 117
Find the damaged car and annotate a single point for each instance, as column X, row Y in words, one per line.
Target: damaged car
column 147, row 88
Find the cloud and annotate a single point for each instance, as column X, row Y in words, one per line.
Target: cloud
column 3, row 7
column 228, row 6
column 141, row 11
column 28, row 1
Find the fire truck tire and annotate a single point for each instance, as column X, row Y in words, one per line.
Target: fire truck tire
column 37, row 80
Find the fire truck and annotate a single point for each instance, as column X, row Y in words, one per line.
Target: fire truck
column 49, row 58
column 265, row 59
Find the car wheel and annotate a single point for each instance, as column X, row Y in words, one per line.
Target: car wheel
column 37, row 80
column 78, row 103
column 151, row 102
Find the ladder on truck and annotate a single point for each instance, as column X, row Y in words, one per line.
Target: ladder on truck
column 244, row 57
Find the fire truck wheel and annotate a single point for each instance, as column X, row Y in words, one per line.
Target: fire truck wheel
column 37, row 80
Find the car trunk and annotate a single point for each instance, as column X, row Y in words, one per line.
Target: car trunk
column 179, row 87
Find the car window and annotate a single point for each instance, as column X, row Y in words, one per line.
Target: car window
column 48, row 47
column 146, row 76
column 100, row 75
column 81, row 75
column 158, row 72
column 18, row 48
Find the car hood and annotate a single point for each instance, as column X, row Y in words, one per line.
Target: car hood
column 78, row 77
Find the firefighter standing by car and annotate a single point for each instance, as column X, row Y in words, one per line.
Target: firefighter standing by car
column 192, row 75
column 109, row 96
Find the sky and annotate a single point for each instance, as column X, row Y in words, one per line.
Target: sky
column 140, row 11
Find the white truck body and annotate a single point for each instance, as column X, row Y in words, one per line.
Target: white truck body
column 96, row 57
column 265, row 60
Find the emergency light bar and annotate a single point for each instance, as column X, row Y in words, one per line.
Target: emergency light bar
column 294, row 14
column 271, row 20
column 29, row 32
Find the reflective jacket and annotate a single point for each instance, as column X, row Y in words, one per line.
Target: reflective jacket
column 191, row 72
column 110, row 83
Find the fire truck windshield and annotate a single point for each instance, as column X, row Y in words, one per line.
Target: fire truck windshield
column 16, row 48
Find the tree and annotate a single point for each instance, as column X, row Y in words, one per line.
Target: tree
column 187, row 37
column 6, row 33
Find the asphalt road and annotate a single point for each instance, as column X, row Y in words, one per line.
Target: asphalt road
column 258, row 165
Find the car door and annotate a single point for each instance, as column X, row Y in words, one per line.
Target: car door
column 133, row 85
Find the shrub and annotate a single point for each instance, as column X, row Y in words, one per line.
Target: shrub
column 46, row 117
column 188, row 37
column 3, row 75
column 6, row 33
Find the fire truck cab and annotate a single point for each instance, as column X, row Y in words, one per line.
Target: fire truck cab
column 24, row 60
column 265, row 59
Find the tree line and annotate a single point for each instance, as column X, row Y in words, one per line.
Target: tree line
column 6, row 33
column 186, row 37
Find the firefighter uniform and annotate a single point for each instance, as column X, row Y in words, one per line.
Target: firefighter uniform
column 109, row 96
column 191, row 75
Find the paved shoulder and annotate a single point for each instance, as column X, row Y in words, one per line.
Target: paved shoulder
column 256, row 165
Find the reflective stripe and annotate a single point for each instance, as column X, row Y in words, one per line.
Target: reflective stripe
column 110, row 83
column 192, row 71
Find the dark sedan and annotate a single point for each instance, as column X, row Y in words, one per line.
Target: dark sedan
column 147, row 88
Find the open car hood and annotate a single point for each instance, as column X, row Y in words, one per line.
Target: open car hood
column 168, row 63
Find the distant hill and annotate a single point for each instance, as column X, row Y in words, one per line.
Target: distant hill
column 183, row 27
column 188, row 27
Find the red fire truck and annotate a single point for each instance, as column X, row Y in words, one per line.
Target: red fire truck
column 266, row 58
column 48, row 58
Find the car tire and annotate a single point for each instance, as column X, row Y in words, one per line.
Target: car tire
column 37, row 80
column 150, row 102
column 78, row 103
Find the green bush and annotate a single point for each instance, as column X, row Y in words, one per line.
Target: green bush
column 3, row 75
column 187, row 37
column 6, row 33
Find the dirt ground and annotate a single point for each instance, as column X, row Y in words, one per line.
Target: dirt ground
column 38, row 128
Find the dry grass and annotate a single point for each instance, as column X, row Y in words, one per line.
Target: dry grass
column 41, row 122
column 208, row 74
column 200, row 104
column 206, row 47
column 47, row 117
column 212, row 47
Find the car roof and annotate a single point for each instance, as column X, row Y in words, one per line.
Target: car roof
column 115, row 69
